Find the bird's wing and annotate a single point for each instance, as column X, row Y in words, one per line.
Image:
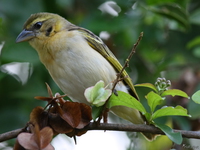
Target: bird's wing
column 97, row 44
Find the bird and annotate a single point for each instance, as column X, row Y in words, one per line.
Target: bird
column 77, row 59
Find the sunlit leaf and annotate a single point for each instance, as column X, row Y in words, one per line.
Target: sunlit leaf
column 175, row 92
column 124, row 99
column 174, row 136
column 170, row 111
column 196, row 97
column 97, row 95
column 148, row 85
column 153, row 100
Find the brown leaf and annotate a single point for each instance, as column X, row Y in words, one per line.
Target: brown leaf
column 71, row 113
column 76, row 132
column 86, row 115
column 27, row 141
column 39, row 116
column 37, row 140
column 46, row 135
column 43, row 98
column 60, row 98
column 58, row 124
column 49, row 90
column 17, row 146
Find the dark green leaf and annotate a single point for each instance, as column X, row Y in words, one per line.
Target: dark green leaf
column 194, row 42
column 174, row 136
column 172, row 11
column 96, row 111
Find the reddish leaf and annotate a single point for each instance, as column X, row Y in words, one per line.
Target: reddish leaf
column 86, row 115
column 37, row 140
column 17, row 146
column 46, row 135
column 60, row 98
column 58, row 124
column 76, row 132
column 39, row 116
column 49, row 147
column 43, row 98
column 71, row 113
column 26, row 140
column 49, row 90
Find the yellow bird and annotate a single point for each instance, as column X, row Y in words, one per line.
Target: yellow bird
column 76, row 59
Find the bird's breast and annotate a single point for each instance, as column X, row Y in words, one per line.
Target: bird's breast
column 77, row 66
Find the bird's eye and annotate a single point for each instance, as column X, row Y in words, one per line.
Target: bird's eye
column 37, row 25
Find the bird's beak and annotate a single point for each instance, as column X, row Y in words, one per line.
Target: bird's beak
column 25, row 35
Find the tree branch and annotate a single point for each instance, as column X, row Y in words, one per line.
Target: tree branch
column 113, row 127
column 10, row 135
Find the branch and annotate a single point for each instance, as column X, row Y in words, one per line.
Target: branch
column 10, row 135
column 113, row 127
column 140, row 128
column 127, row 61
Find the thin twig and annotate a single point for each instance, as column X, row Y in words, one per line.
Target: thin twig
column 10, row 135
column 127, row 61
column 118, row 78
column 114, row 127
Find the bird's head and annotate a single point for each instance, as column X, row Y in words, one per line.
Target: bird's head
column 42, row 26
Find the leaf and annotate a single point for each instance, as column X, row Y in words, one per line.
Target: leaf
column 97, row 95
column 196, row 97
column 86, row 116
column 125, row 99
column 153, row 100
column 196, row 51
column 96, row 111
column 58, row 124
column 46, row 135
column 194, row 17
column 194, row 42
column 26, row 140
column 170, row 111
column 148, row 85
column 175, row 92
column 36, row 140
column 39, row 116
column 172, row 11
column 174, row 136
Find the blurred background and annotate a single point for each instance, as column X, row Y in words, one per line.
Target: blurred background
column 170, row 48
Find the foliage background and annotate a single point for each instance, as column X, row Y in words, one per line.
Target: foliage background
column 170, row 48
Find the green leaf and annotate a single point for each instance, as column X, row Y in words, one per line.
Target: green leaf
column 194, row 42
column 196, row 51
column 97, row 95
column 125, row 99
column 170, row 111
column 172, row 11
column 176, row 137
column 96, row 111
column 196, row 97
column 153, row 100
column 195, row 17
column 148, row 85
column 175, row 92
